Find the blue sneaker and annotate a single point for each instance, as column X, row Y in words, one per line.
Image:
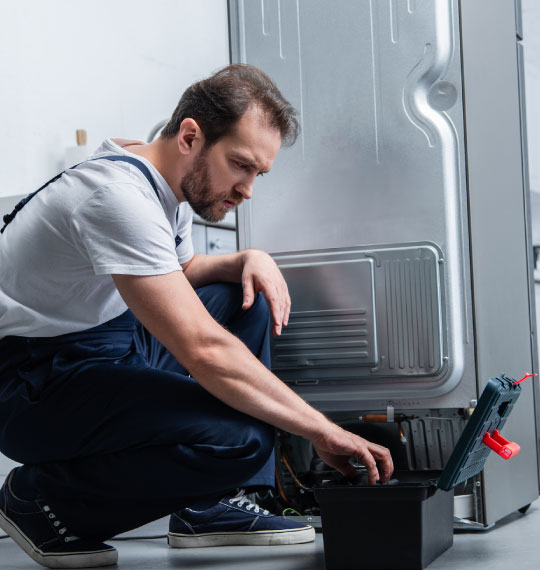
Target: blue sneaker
column 234, row 521
column 36, row 529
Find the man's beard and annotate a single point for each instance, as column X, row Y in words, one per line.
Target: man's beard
column 197, row 190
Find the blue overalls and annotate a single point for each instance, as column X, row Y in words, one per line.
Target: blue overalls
column 111, row 429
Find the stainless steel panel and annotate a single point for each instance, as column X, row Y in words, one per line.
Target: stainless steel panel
column 198, row 237
column 333, row 323
column 229, row 221
column 519, row 20
column 220, row 240
column 381, row 156
column 361, row 315
column 498, row 237
column 527, row 206
column 528, row 232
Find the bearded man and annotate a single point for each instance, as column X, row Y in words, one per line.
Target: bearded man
column 134, row 375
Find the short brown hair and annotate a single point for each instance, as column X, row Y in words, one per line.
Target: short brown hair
column 218, row 102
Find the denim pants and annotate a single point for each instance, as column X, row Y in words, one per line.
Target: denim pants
column 112, row 431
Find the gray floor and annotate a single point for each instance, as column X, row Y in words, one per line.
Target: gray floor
column 513, row 543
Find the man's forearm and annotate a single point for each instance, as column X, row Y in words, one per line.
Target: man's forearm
column 204, row 269
column 232, row 374
column 220, row 362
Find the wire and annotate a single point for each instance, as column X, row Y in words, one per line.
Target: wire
column 4, row 536
column 280, row 487
column 437, row 418
column 402, row 437
column 524, row 378
column 293, row 475
column 294, row 511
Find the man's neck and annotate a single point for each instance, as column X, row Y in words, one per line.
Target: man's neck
column 163, row 155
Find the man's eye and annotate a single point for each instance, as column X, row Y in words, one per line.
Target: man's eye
column 241, row 166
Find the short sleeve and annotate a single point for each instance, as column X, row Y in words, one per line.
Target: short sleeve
column 122, row 228
column 184, row 250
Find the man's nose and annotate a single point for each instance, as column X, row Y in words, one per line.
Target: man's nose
column 245, row 189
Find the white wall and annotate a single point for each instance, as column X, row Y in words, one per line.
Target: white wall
column 114, row 68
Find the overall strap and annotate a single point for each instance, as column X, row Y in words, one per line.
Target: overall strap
column 113, row 158
column 135, row 162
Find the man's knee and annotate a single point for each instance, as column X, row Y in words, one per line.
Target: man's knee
column 222, row 300
column 255, row 444
column 260, row 447
column 265, row 440
column 256, row 439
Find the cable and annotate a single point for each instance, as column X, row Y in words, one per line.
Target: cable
column 4, row 536
column 293, row 475
column 294, row 511
column 280, row 487
column 436, row 418
column 524, row 378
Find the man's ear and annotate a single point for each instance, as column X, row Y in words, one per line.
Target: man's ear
column 190, row 136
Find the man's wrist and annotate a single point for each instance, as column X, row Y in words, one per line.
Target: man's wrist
column 319, row 429
column 248, row 254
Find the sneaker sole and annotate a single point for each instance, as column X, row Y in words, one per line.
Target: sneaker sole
column 57, row 560
column 250, row 538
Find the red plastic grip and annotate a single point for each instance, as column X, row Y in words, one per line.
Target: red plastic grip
column 501, row 446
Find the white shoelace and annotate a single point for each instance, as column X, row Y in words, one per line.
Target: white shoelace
column 57, row 523
column 241, row 499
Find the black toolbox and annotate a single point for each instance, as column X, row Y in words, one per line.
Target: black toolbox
column 407, row 524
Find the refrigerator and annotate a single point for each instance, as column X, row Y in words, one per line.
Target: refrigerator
column 401, row 221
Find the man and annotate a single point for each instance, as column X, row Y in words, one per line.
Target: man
column 121, row 416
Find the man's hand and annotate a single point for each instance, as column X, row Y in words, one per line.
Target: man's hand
column 337, row 446
column 260, row 273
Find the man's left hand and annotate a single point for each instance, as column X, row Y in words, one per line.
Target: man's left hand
column 260, row 273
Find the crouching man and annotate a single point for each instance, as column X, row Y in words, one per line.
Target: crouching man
column 134, row 375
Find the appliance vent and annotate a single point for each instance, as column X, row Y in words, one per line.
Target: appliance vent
column 412, row 314
column 324, row 338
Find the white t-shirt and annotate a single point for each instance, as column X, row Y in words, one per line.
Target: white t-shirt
column 58, row 254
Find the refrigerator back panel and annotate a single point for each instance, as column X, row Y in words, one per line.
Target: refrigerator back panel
column 367, row 212
column 377, row 313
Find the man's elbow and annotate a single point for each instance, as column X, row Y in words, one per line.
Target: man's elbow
column 209, row 351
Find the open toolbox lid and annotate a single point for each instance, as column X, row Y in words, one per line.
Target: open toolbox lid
column 481, row 434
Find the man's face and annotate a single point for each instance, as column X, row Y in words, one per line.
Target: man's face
column 223, row 175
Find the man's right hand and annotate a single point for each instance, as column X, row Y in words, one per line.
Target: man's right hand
column 337, row 446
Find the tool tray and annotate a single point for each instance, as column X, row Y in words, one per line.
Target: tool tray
column 406, row 525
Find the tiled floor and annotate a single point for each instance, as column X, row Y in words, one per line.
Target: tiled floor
column 512, row 543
